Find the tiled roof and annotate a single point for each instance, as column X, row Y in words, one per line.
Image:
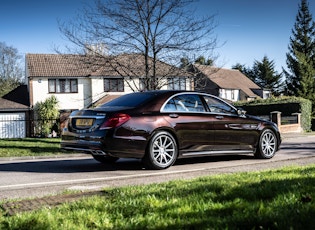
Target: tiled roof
column 69, row 65
column 19, row 95
column 55, row 65
column 7, row 105
column 229, row 79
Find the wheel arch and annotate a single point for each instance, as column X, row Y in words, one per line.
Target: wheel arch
column 160, row 129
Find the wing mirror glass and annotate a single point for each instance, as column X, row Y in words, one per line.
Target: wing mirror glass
column 241, row 112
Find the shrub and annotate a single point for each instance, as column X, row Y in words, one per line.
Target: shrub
column 286, row 105
column 46, row 112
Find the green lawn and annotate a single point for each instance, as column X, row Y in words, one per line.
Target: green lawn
column 29, row 147
column 275, row 199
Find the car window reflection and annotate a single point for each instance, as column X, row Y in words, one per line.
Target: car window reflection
column 217, row 106
column 185, row 103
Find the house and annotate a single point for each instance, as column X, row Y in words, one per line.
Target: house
column 15, row 114
column 81, row 81
column 228, row 84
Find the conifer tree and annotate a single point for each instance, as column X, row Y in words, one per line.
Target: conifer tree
column 307, row 81
column 266, row 76
column 245, row 70
column 301, row 48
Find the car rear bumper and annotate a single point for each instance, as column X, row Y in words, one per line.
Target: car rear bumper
column 110, row 146
column 94, row 148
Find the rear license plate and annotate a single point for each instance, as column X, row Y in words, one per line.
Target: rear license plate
column 84, row 122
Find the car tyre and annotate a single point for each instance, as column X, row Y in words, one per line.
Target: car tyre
column 162, row 151
column 267, row 145
column 105, row 159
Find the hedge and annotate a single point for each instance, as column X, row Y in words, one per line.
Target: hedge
column 285, row 105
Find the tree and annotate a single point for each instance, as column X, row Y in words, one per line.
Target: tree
column 307, row 81
column 46, row 113
column 202, row 60
column 10, row 68
column 159, row 30
column 266, row 76
column 184, row 63
column 302, row 47
column 263, row 74
column 245, row 70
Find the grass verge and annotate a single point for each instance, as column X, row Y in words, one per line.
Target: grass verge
column 274, row 199
column 29, row 147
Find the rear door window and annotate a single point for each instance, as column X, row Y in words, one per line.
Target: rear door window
column 184, row 103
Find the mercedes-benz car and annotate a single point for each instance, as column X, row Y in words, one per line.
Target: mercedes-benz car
column 162, row 126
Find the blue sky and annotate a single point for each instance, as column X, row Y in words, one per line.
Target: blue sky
column 249, row 29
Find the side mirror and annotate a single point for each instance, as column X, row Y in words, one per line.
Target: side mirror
column 241, row 112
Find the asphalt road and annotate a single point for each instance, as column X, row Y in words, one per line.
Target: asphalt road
column 28, row 178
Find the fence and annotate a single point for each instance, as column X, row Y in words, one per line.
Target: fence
column 288, row 124
column 19, row 127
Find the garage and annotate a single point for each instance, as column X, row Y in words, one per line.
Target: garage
column 13, row 119
column 12, row 125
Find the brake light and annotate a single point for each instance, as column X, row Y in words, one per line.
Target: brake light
column 115, row 121
column 65, row 126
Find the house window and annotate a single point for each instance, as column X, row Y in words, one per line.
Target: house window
column 176, row 83
column 62, row 85
column 142, row 84
column 113, row 85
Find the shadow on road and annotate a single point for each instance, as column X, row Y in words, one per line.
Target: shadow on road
column 90, row 165
column 79, row 165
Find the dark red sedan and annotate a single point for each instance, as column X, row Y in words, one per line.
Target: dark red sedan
column 161, row 126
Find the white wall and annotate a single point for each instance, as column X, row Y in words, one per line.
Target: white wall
column 89, row 91
column 97, row 87
column 66, row 100
column 229, row 94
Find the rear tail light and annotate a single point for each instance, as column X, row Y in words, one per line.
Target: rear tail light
column 115, row 121
column 65, row 126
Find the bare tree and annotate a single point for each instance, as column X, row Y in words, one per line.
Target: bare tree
column 11, row 71
column 162, row 31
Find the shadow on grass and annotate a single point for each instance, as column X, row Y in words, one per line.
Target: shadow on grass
column 32, row 140
column 29, row 147
column 267, row 204
column 30, row 150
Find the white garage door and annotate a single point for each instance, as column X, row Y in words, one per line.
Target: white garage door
column 12, row 125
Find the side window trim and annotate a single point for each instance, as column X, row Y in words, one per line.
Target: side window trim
column 180, row 106
column 220, row 106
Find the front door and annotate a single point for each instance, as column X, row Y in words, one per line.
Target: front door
column 231, row 131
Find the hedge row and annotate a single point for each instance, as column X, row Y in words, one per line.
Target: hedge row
column 286, row 105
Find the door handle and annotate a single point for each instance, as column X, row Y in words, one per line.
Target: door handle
column 219, row 117
column 173, row 115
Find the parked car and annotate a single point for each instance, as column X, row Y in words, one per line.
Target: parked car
column 162, row 126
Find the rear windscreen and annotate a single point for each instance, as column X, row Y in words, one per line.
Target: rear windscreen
column 130, row 100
